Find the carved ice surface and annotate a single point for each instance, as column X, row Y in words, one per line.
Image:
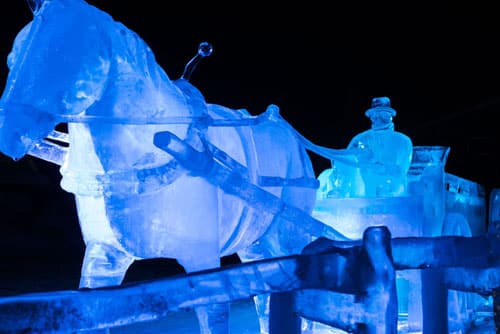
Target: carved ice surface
column 74, row 64
column 158, row 172
column 404, row 187
column 375, row 192
column 386, row 160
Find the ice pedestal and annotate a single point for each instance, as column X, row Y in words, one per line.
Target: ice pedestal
column 351, row 216
column 403, row 216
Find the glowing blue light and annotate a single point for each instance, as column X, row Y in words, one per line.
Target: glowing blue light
column 158, row 172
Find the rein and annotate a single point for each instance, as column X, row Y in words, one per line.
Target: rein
column 163, row 175
column 199, row 121
column 202, row 122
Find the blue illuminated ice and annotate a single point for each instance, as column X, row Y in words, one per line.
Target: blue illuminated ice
column 372, row 189
column 387, row 155
column 74, row 64
column 374, row 192
column 156, row 171
column 405, row 188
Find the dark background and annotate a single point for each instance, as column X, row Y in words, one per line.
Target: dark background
column 321, row 64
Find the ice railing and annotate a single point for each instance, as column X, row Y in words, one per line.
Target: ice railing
column 346, row 285
column 360, row 291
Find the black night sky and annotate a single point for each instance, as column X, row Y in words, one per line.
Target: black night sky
column 321, row 64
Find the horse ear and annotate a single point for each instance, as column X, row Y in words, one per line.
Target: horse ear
column 35, row 5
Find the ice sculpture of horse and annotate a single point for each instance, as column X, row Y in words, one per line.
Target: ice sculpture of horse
column 74, row 64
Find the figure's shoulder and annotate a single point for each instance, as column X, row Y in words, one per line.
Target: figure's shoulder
column 362, row 137
column 403, row 139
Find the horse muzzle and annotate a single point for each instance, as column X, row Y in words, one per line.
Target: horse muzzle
column 20, row 127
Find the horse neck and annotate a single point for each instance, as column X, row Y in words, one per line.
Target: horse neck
column 137, row 86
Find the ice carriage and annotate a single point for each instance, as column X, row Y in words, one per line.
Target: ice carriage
column 409, row 191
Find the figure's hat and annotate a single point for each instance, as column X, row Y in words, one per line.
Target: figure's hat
column 380, row 104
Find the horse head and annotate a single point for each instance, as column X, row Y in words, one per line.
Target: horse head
column 74, row 60
column 46, row 77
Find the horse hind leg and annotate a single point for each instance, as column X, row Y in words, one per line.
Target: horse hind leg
column 259, row 250
column 283, row 238
column 212, row 318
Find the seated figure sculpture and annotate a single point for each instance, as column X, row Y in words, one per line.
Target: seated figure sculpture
column 74, row 64
column 387, row 159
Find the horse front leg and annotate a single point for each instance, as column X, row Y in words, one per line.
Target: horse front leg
column 105, row 263
column 198, row 215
